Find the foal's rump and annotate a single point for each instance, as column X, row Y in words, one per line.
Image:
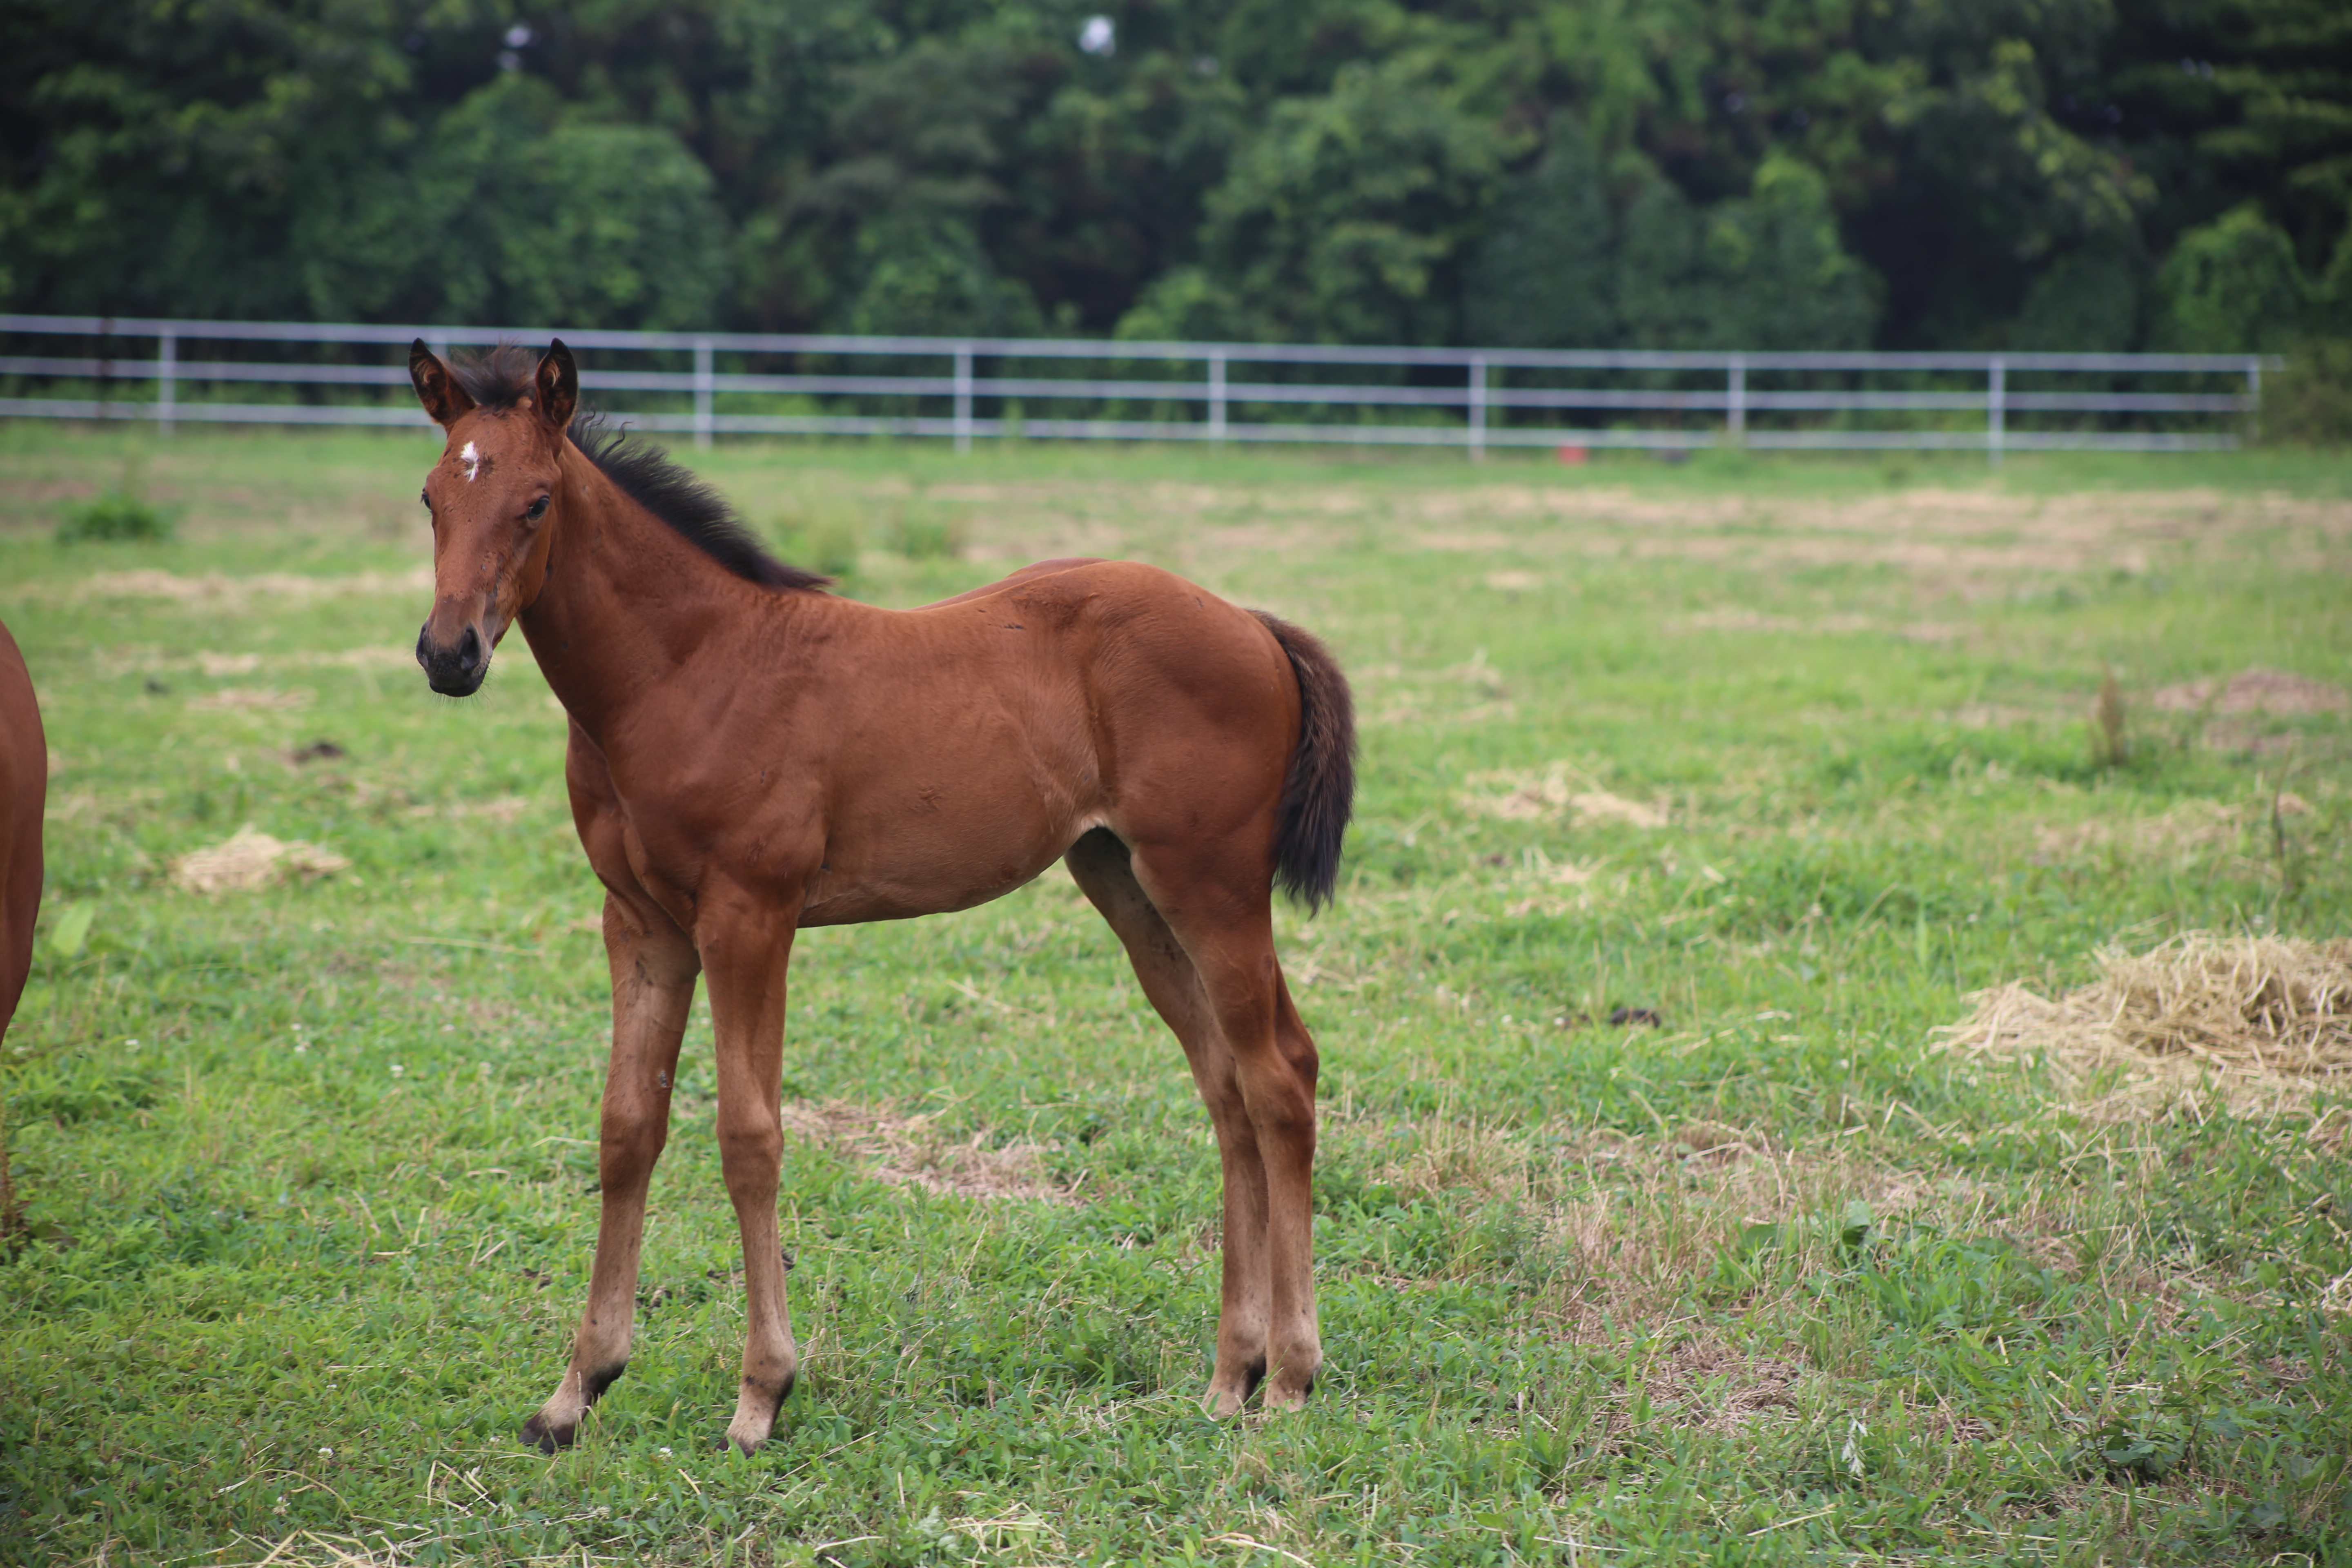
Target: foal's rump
column 1206, row 723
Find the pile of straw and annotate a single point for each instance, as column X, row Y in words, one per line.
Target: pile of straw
column 2256, row 1020
column 252, row 859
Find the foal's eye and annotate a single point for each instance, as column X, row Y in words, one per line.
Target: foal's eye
column 536, row 510
column 425, row 499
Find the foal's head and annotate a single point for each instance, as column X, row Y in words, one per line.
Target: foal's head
column 495, row 501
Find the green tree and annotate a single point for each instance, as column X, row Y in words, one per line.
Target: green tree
column 2232, row 285
column 1764, row 271
column 514, row 211
column 1545, row 274
column 1343, row 219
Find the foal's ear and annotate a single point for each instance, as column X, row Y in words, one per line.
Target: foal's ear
column 558, row 384
column 435, row 388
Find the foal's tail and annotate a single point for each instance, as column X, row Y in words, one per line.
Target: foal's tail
column 1320, row 792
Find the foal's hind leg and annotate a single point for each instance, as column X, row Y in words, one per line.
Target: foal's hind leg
column 653, row 966
column 1217, row 901
column 746, row 938
column 1099, row 862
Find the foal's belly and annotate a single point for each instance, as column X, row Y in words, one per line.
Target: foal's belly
column 899, row 886
column 929, row 862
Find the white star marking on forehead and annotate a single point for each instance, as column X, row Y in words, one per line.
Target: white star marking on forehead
column 473, row 461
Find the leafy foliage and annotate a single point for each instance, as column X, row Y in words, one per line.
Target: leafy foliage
column 2036, row 174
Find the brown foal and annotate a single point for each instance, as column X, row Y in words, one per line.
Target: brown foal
column 750, row 755
column 23, row 788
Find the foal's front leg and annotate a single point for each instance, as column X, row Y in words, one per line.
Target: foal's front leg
column 746, row 940
column 654, row 966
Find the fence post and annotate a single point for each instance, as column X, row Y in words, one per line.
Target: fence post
column 702, row 380
column 167, row 363
column 2254, row 395
column 963, row 397
column 1217, row 397
column 1735, row 401
column 1996, row 408
column 1477, row 408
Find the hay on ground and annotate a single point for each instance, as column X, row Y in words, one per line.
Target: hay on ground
column 1530, row 795
column 251, row 859
column 911, row 1152
column 2256, row 1020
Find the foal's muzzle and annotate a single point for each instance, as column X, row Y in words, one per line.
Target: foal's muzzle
column 453, row 670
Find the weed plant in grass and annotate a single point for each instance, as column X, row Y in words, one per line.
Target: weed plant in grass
column 114, row 518
column 1775, row 762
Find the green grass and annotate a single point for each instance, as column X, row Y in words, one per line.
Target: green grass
column 1773, row 1281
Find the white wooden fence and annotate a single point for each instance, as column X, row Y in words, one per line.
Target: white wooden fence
column 708, row 384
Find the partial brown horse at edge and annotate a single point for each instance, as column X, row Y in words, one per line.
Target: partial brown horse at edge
column 750, row 755
column 24, row 791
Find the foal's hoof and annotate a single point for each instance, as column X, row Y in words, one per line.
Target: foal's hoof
column 546, row 1436
column 1222, row 1404
column 1230, row 1388
column 1282, row 1394
column 755, row 1415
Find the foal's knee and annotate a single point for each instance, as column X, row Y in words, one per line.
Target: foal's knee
column 1281, row 1099
column 750, row 1148
column 629, row 1142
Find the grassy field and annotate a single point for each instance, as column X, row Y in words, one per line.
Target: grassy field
column 1790, row 755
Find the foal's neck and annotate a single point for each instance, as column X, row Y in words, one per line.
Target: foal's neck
column 626, row 604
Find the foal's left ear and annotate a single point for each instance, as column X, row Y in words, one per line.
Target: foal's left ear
column 558, row 384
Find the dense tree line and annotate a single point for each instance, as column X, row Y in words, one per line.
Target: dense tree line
column 2030, row 174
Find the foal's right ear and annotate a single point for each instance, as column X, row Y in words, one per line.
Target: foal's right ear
column 558, row 384
column 435, row 388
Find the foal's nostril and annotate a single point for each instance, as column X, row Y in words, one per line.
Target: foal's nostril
column 423, row 657
column 469, row 651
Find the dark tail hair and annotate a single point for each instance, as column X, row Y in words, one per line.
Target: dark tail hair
column 1321, row 793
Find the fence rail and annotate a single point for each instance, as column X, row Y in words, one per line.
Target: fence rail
column 963, row 390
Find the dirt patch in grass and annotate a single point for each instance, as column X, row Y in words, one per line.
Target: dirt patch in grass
column 502, row 809
column 1738, row 618
column 2253, row 691
column 2254, row 1021
column 250, row 699
column 2188, row 828
column 1702, row 1385
column 911, row 1152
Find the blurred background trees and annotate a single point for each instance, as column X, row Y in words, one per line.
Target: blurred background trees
column 1959, row 173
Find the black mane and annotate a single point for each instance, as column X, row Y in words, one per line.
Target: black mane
column 501, row 377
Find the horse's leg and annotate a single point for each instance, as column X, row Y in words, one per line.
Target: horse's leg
column 654, row 968
column 1099, row 862
column 1217, row 901
column 747, row 944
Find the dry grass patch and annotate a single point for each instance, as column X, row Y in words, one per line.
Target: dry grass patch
column 1702, row 1385
column 219, row 591
column 2254, row 1020
column 251, row 700
column 2253, row 691
column 911, row 1152
column 250, row 860
column 2190, row 829
column 1525, row 795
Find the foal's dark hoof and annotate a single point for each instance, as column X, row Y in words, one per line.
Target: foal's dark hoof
column 547, row 1439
